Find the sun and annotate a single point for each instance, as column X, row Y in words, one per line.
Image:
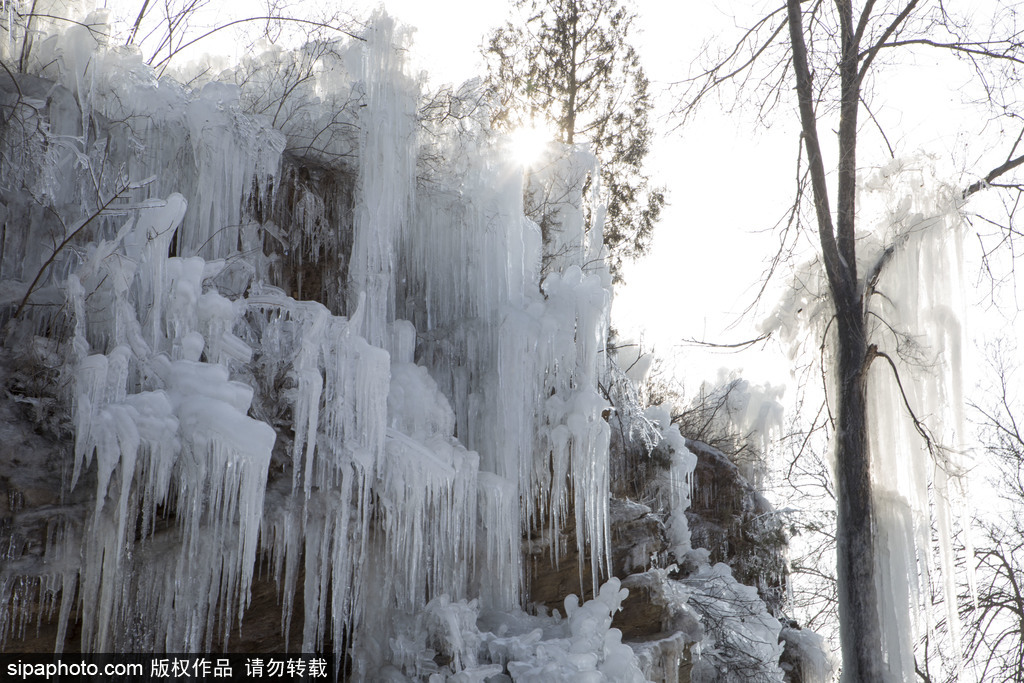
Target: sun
column 529, row 142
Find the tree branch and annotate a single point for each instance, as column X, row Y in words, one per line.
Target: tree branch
column 67, row 240
column 809, row 126
column 873, row 353
column 977, row 49
column 869, row 55
column 1006, row 166
column 318, row 24
column 711, row 76
column 738, row 345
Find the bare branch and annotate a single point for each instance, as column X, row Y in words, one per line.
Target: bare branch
column 67, row 240
column 878, row 125
column 976, row 49
column 737, row 345
column 1006, row 166
column 919, row 426
column 308, row 22
column 138, row 21
column 712, row 79
column 868, row 56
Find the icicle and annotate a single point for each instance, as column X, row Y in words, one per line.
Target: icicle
column 676, row 490
column 411, row 485
column 500, row 571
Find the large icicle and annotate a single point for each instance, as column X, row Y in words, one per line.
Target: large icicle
column 916, row 316
column 917, row 477
column 521, row 378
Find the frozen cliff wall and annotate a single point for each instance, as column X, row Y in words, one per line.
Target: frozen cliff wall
column 436, row 402
column 312, row 381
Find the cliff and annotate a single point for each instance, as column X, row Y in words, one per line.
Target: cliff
column 303, row 387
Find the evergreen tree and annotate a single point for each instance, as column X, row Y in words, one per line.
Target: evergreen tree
column 569, row 63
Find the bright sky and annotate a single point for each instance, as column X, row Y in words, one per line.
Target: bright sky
column 706, row 258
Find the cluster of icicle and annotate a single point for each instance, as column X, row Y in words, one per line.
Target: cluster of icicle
column 412, row 484
column 916, row 318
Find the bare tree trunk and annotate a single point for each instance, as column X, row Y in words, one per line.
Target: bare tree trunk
column 859, row 624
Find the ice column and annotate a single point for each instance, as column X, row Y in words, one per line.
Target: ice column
column 916, row 478
column 387, row 174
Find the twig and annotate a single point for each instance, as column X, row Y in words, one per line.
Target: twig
column 873, row 352
column 737, row 345
column 163, row 62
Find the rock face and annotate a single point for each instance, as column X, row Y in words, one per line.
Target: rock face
column 37, row 515
column 676, row 602
column 637, row 536
column 660, row 627
column 660, row 631
column 736, row 525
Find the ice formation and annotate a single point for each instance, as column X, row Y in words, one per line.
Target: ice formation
column 448, row 402
column 919, row 497
column 676, row 488
column 328, row 346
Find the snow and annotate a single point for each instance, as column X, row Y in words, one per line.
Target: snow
column 740, row 629
column 675, row 491
column 581, row 647
column 817, row 665
column 729, row 634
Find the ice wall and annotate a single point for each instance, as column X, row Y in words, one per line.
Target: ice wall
column 378, row 461
column 159, row 425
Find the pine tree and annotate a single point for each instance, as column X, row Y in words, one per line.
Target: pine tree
column 569, row 63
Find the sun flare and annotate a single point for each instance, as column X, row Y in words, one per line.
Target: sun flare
column 529, row 142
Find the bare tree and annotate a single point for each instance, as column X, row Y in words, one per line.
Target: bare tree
column 995, row 637
column 832, row 52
